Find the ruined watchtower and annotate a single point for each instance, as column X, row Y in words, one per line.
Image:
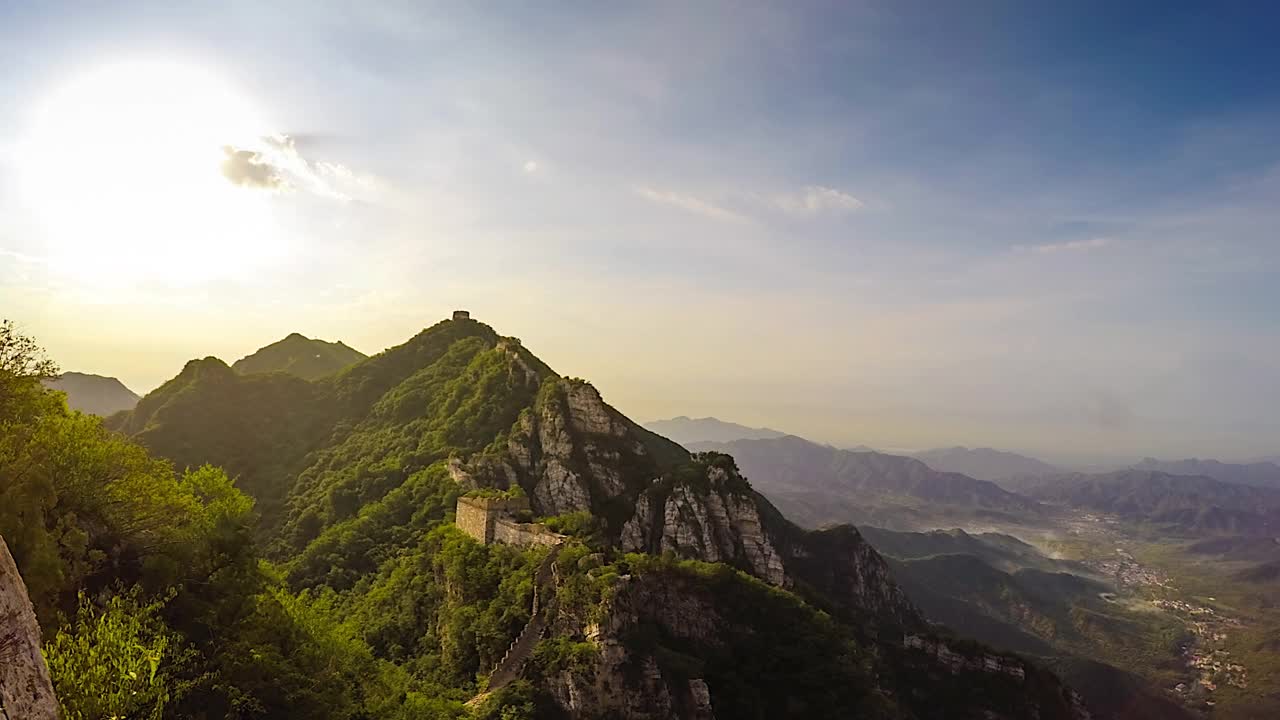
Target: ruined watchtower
column 495, row 519
column 461, row 315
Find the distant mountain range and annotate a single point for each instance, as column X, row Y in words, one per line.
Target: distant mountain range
column 1195, row 504
column 1262, row 474
column 817, row 485
column 685, row 430
column 94, row 394
column 984, row 463
column 300, row 356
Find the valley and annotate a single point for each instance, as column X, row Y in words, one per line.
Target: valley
column 1177, row 619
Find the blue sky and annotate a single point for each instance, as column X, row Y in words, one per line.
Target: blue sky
column 1049, row 227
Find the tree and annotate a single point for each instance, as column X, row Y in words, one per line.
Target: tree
column 22, row 366
column 117, row 661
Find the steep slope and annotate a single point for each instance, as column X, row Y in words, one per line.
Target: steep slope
column 1182, row 503
column 1261, row 474
column 299, row 356
column 686, row 430
column 376, row 456
column 94, row 394
column 692, row 640
column 819, row 485
column 983, row 463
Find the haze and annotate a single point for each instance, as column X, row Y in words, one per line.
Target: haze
column 919, row 224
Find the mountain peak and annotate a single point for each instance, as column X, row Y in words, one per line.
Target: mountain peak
column 299, row 355
column 685, row 430
column 94, row 394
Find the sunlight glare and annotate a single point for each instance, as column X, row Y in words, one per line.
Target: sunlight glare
column 121, row 171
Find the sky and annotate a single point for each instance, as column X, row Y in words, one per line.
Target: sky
column 1050, row 227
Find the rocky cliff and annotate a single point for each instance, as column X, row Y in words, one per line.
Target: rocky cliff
column 695, row 641
column 25, row 690
column 573, row 452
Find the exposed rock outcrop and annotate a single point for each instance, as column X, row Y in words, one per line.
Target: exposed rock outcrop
column 624, row 683
column 25, row 689
column 571, row 452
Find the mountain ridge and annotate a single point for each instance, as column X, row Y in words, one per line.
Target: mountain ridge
column 684, row 429
column 983, row 463
column 822, row 484
column 363, row 484
column 299, row 355
column 1261, row 474
column 94, row 394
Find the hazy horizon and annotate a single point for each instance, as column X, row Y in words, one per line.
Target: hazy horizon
column 1048, row 230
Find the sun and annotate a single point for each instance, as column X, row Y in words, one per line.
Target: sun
column 120, row 170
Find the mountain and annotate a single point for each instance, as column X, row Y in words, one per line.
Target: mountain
column 94, row 394
column 301, row 356
column 1006, row 593
column 1262, row 474
column 1182, row 503
column 819, row 485
column 983, row 463
column 686, row 430
column 676, row 588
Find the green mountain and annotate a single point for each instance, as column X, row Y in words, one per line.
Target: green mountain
column 679, row 592
column 817, row 485
column 94, row 394
column 301, row 356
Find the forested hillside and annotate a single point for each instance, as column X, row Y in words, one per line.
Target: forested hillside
column 338, row 586
column 300, row 356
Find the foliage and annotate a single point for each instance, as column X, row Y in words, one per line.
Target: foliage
column 117, row 661
column 581, row 524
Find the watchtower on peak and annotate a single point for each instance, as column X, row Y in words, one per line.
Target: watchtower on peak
column 461, row 315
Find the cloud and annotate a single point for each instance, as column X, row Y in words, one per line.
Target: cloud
column 1071, row 246
column 277, row 164
column 531, row 166
column 816, row 199
column 248, row 168
column 689, row 203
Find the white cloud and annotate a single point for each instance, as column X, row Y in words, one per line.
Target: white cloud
column 283, row 165
column 1070, row 246
column 689, row 203
column 815, row 199
column 531, row 166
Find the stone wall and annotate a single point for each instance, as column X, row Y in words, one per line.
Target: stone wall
column 956, row 662
column 518, row 533
column 25, row 690
column 491, row 520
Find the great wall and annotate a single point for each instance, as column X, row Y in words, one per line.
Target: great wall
column 496, row 519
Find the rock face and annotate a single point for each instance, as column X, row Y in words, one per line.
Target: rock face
column 25, row 690
column 623, row 683
column 572, row 452
column 722, row 524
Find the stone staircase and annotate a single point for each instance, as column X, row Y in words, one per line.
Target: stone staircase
column 512, row 663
